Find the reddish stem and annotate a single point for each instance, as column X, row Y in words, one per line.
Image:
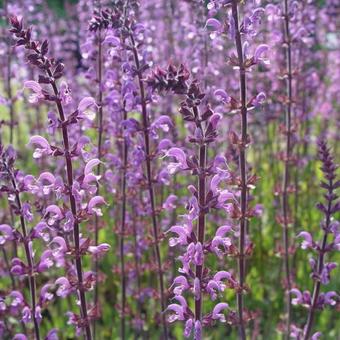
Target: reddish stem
column 243, row 170
column 150, row 183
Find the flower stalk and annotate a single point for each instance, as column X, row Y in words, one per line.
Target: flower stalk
column 331, row 208
column 28, row 254
column 122, row 231
column 146, row 125
column 72, row 201
column 242, row 168
column 38, row 58
column 287, row 162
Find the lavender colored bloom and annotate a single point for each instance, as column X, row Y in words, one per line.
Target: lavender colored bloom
column 42, row 146
column 216, row 314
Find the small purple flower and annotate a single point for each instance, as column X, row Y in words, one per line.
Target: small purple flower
column 308, row 240
column 20, row 336
column 18, row 267
column 45, row 295
column 69, row 222
column 26, row 212
column 259, row 99
column 223, row 275
column 220, row 240
column 92, row 207
column 42, row 146
column 46, row 261
column 198, row 330
column 316, row 336
column 38, row 315
column 54, row 214
column 263, row 48
column 198, row 257
column 197, row 289
column 41, row 230
column 222, row 96
column 326, row 272
column 17, row 299
column 213, row 24
column 52, row 335
column 100, row 249
column 214, row 119
column 162, row 122
column 211, row 289
column 85, row 108
column 216, row 314
column 182, row 233
column 300, row 298
column 6, row 233
column 90, row 165
column 65, row 93
column 46, row 180
column 188, row 327
column 64, row 288
column 331, row 298
column 59, row 246
column 26, row 314
column 179, row 284
column 181, row 160
column 177, row 312
column 37, row 94
column 169, row 203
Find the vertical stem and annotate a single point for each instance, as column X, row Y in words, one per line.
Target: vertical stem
column 317, row 283
column 286, row 174
column 29, row 258
column 99, row 154
column 69, row 172
column 139, row 305
column 243, row 170
column 8, row 80
column 202, row 214
column 122, row 231
column 150, row 184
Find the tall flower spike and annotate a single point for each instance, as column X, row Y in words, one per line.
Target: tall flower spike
column 204, row 127
column 287, row 164
column 321, row 271
column 52, row 71
column 18, row 268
